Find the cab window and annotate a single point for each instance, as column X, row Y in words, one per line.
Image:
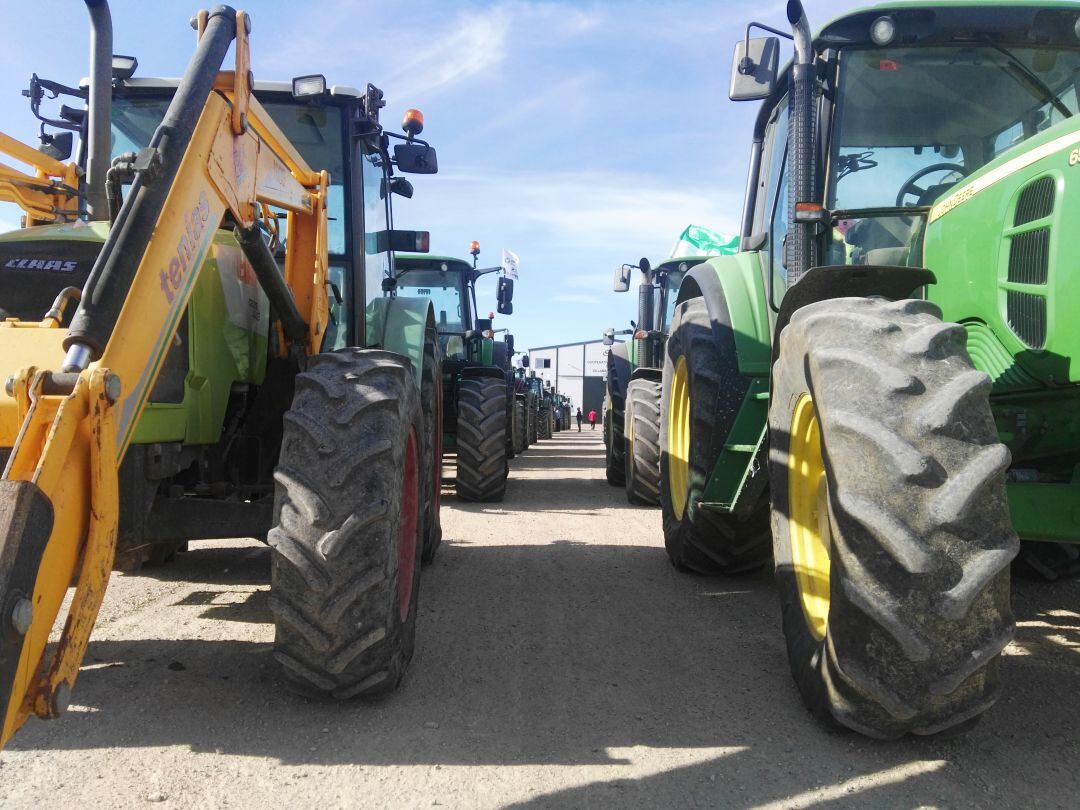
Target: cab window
column 376, row 218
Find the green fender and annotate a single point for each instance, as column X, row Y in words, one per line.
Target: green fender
column 736, row 283
column 400, row 325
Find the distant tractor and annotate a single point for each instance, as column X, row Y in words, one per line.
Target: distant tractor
column 883, row 373
column 643, row 358
column 474, row 381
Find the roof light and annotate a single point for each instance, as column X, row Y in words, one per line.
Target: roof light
column 413, row 123
column 123, row 67
column 883, row 30
column 423, row 241
column 308, row 86
column 474, row 248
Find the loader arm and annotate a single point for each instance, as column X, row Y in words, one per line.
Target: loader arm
column 51, row 194
column 217, row 156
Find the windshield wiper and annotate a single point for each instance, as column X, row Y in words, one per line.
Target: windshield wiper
column 1033, row 80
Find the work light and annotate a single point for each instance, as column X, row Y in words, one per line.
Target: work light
column 308, row 86
column 883, row 30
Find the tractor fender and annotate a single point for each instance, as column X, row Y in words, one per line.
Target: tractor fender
column 850, row 281
column 735, row 298
column 619, row 361
column 400, row 325
column 645, row 373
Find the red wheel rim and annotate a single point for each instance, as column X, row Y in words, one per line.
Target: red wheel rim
column 410, row 500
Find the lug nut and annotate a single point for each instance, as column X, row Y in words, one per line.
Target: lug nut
column 22, row 616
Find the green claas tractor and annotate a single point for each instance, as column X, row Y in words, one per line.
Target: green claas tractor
column 237, row 363
column 475, row 368
column 639, row 394
column 883, row 374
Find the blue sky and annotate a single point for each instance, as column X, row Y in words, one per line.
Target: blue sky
column 580, row 135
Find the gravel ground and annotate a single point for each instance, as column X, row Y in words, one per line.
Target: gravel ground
column 561, row 662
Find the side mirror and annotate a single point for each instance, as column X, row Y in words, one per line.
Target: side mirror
column 524, row 361
column 622, row 278
column 416, row 158
column 505, row 296
column 402, row 187
column 609, row 336
column 509, row 345
column 753, row 70
column 58, row 146
column 399, row 241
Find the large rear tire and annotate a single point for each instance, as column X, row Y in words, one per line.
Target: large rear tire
column 642, row 432
column 481, row 439
column 519, row 425
column 346, row 541
column 431, row 401
column 543, row 424
column 618, row 377
column 533, row 422
column 702, row 393
column 891, row 529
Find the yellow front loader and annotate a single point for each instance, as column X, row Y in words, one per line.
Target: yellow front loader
column 73, row 397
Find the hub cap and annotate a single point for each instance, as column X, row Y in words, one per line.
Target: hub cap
column 809, row 525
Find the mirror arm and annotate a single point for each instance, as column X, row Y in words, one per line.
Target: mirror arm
column 746, row 64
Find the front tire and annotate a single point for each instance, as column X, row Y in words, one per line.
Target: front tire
column 481, row 439
column 703, row 390
column 891, row 530
column 642, row 432
column 346, row 541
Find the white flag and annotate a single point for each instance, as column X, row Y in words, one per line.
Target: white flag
column 509, row 264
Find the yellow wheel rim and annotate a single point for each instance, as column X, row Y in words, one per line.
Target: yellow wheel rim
column 809, row 526
column 678, row 443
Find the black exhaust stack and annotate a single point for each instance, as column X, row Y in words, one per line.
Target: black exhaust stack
column 99, row 125
column 801, row 245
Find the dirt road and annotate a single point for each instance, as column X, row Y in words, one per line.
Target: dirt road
column 561, row 662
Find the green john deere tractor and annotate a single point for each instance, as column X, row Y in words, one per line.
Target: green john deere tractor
column 534, row 392
column 883, row 372
column 475, row 368
column 643, row 357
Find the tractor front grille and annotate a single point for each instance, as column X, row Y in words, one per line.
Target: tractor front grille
column 1035, row 202
column 1029, row 256
column 1027, row 317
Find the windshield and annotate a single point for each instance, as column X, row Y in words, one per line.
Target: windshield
column 912, row 122
column 445, row 292
column 315, row 131
column 671, row 292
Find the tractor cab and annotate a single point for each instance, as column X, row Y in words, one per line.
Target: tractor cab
column 912, row 104
column 322, row 122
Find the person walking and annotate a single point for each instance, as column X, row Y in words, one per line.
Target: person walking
column 592, row 418
column 579, row 420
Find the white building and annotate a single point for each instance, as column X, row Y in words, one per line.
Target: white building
column 575, row 369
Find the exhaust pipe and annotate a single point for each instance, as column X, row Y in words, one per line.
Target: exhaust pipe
column 99, row 104
column 802, row 154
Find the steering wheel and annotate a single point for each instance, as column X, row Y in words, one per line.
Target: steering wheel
column 909, row 186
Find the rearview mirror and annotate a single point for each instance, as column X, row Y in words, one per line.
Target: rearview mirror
column 609, row 336
column 505, row 296
column 416, row 158
column 753, row 70
column 524, row 361
column 58, row 146
column 509, row 345
column 622, row 278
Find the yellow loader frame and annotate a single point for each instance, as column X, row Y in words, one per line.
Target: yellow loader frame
column 69, row 427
